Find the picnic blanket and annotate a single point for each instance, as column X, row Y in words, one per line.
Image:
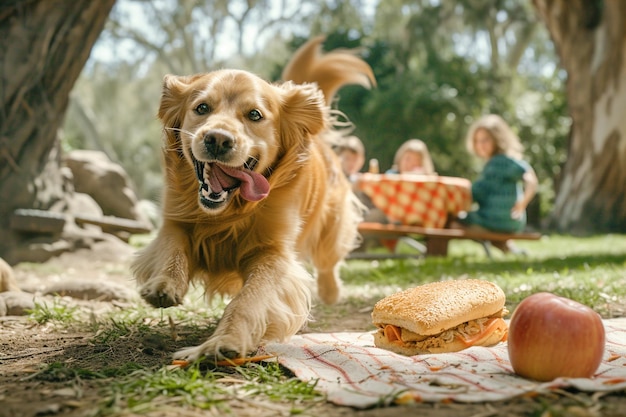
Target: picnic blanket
column 351, row 371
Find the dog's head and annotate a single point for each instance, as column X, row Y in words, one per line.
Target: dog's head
column 234, row 129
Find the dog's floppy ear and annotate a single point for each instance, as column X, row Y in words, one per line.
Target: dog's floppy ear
column 173, row 99
column 304, row 112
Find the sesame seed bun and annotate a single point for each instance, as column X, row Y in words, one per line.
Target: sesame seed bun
column 423, row 314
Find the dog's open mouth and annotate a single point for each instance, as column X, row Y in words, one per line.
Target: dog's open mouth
column 218, row 181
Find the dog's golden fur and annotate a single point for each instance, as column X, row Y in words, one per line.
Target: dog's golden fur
column 252, row 191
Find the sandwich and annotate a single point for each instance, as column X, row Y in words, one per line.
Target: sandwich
column 438, row 317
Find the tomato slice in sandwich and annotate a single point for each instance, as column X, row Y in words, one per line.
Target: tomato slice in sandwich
column 392, row 333
column 489, row 327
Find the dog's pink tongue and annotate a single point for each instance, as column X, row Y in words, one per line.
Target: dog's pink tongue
column 252, row 185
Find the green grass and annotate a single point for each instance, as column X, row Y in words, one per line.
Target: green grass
column 131, row 384
column 132, row 388
column 146, row 390
column 589, row 270
column 59, row 313
column 59, row 372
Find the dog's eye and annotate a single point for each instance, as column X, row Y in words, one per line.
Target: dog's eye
column 255, row 115
column 202, row 108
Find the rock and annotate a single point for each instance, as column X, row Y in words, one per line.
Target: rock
column 39, row 249
column 7, row 279
column 107, row 182
column 83, row 204
column 97, row 201
column 18, row 303
column 89, row 290
column 107, row 249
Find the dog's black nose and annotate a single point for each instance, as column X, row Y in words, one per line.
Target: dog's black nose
column 218, row 142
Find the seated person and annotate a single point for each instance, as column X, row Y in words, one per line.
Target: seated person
column 506, row 184
column 412, row 157
column 351, row 152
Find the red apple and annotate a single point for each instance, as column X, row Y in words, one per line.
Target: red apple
column 552, row 336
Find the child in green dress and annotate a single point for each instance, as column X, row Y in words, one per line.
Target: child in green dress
column 506, row 184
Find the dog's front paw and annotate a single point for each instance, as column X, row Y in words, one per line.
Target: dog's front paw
column 163, row 293
column 210, row 349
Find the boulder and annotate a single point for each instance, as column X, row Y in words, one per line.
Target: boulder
column 7, row 279
column 105, row 181
column 85, row 289
column 17, row 303
column 83, row 204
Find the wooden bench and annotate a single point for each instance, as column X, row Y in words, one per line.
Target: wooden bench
column 48, row 222
column 112, row 224
column 436, row 240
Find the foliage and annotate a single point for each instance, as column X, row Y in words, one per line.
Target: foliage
column 437, row 73
column 119, row 119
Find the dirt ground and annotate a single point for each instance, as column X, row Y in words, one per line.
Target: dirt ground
column 25, row 346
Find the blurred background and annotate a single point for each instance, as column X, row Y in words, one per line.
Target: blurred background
column 81, row 75
column 439, row 65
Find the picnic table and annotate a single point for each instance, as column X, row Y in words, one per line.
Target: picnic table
column 421, row 205
column 420, row 200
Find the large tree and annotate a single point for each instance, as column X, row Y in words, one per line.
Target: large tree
column 590, row 36
column 44, row 45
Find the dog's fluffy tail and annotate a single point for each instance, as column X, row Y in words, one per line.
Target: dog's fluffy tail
column 330, row 71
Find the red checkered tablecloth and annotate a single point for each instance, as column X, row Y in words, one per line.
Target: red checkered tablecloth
column 421, row 200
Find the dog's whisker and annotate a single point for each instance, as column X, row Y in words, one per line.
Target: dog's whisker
column 251, row 163
column 176, row 129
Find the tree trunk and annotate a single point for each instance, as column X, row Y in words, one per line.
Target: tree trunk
column 590, row 37
column 44, row 45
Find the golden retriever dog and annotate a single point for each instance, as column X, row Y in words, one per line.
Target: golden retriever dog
column 253, row 195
